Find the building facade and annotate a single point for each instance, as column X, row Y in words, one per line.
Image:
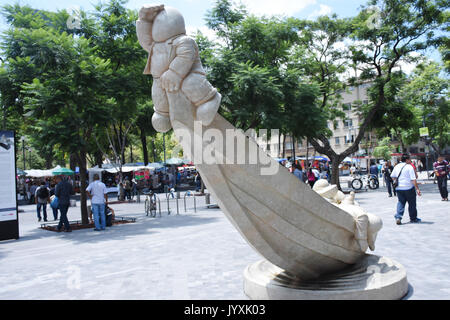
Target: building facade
column 344, row 131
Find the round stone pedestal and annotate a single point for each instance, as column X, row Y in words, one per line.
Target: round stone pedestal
column 373, row 278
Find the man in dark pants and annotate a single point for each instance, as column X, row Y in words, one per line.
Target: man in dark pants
column 406, row 189
column 441, row 172
column 387, row 170
column 63, row 191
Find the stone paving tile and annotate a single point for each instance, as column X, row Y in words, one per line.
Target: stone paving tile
column 196, row 255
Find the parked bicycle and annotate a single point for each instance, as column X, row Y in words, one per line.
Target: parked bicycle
column 370, row 181
column 150, row 204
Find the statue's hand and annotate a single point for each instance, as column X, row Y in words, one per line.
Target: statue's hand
column 148, row 13
column 170, row 81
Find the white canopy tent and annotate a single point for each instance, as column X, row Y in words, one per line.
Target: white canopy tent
column 111, row 169
column 35, row 173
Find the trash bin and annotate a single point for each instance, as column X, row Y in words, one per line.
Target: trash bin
column 73, row 203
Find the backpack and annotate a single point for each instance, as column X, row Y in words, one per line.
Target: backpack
column 311, row 176
column 43, row 192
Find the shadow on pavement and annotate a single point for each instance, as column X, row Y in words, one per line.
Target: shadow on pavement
column 143, row 225
column 422, row 222
column 410, row 292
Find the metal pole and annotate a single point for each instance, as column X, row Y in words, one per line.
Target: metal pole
column 177, row 207
column 168, row 207
column 159, row 204
column 195, row 204
column 164, row 146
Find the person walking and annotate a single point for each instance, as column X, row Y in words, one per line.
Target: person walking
column 198, row 182
column 63, row 191
column 387, row 170
column 33, row 192
column 441, row 171
column 298, row 172
column 52, row 193
column 42, row 197
column 406, row 189
column 98, row 194
column 311, row 177
column 373, row 170
column 127, row 187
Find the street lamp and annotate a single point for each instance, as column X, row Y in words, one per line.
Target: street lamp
column 23, row 150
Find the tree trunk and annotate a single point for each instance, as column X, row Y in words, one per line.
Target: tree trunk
column 73, row 161
column 307, row 156
column 279, row 146
column 83, row 186
column 98, row 158
column 131, row 154
column 48, row 161
column 335, row 161
column 153, row 150
column 144, row 147
column 122, row 144
column 293, row 148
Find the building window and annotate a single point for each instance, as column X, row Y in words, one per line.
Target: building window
column 365, row 102
column 335, row 124
column 349, row 139
column 348, row 123
column 346, row 106
column 337, row 141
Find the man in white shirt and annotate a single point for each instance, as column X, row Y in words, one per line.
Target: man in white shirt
column 98, row 194
column 406, row 189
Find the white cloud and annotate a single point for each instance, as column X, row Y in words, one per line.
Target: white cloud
column 408, row 67
column 210, row 34
column 280, row 7
column 322, row 11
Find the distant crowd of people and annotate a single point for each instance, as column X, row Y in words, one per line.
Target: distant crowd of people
column 312, row 173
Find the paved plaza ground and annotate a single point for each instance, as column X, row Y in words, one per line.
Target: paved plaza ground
column 196, row 255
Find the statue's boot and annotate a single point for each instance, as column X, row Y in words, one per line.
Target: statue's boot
column 207, row 111
column 160, row 122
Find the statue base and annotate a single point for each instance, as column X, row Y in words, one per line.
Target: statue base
column 373, row 278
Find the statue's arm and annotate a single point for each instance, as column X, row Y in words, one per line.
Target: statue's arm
column 144, row 34
column 144, row 25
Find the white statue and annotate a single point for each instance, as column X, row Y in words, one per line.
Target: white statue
column 281, row 217
column 174, row 63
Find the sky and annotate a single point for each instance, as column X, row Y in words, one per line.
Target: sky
column 194, row 11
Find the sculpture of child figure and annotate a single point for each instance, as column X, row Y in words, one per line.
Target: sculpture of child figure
column 174, row 63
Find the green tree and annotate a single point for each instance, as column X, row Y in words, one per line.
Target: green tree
column 426, row 93
column 251, row 68
column 384, row 149
column 113, row 32
column 399, row 29
column 67, row 102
